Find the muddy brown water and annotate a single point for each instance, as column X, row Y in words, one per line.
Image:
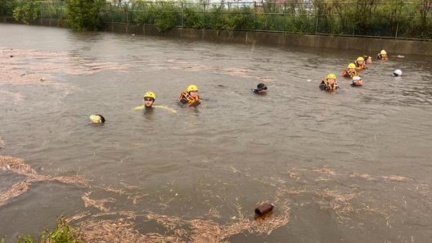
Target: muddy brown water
column 353, row 166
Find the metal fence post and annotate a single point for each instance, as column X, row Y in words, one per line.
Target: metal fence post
column 316, row 20
column 397, row 29
column 182, row 15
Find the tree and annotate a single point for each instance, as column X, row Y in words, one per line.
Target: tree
column 30, row 11
column 85, row 14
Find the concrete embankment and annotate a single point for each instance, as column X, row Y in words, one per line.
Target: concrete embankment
column 276, row 39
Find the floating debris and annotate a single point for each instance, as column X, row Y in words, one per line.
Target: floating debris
column 264, row 209
column 47, row 64
column 18, row 166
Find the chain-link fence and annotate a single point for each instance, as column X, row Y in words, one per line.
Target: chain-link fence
column 407, row 19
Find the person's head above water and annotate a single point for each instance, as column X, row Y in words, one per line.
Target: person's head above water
column 368, row 59
column 382, row 55
column 397, row 73
column 149, row 99
column 192, row 90
column 97, row 119
column 260, row 89
column 190, row 96
column 329, row 83
column 351, row 67
column 357, row 81
column 331, row 79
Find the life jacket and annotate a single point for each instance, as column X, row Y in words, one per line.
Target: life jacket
column 327, row 87
column 381, row 57
column 360, row 66
column 186, row 98
column 349, row 74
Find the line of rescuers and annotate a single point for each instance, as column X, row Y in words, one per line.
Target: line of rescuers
column 353, row 72
column 191, row 98
column 187, row 98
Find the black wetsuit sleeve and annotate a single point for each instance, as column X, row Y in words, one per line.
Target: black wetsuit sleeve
column 322, row 86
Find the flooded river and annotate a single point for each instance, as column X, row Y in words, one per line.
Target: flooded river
column 349, row 166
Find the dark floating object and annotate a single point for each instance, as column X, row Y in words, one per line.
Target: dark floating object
column 11, row 56
column 264, row 209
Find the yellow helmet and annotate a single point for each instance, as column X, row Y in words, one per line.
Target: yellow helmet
column 192, row 88
column 383, row 52
column 331, row 76
column 360, row 59
column 97, row 119
column 351, row 65
column 150, row 95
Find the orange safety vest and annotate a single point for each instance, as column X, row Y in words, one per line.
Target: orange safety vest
column 326, row 86
column 381, row 57
column 186, row 98
column 360, row 67
column 346, row 73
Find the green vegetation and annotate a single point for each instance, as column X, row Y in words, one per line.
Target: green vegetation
column 384, row 18
column 63, row 233
column 85, row 14
column 7, row 7
column 27, row 12
column 53, row 9
column 164, row 15
column 390, row 18
column 397, row 18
